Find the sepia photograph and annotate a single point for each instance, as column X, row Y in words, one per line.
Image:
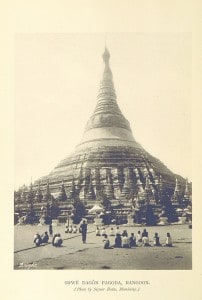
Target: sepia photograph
column 103, row 177
column 100, row 133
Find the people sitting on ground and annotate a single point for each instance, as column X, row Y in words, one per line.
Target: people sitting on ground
column 118, row 241
column 125, row 233
column 37, row 240
column 132, row 241
column 139, row 237
column 58, row 240
column 45, row 237
column 103, row 231
column 74, row 230
column 112, row 233
column 106, row 242
column 144, row 233
column 156, row 240
column 125, row 241
column 145, row 240
column 70, row 229
column 97, row 231
column 169, row 242
column 118, row 230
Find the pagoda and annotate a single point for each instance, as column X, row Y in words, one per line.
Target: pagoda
column 108, row 162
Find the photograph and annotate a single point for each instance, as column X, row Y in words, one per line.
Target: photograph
column 102, row 151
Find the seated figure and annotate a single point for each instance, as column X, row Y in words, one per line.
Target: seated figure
column 125, row 233
column 103, row 232
column 66, row 229
column 106, row 243
column 118, row 241
column 132, row 240
column 58, row 241
column 145, row 240
column 45, row 237
column 112, row 232
column 156, row 240
column 97, row 232
column 70, row 229
column 144, row 233
column 139, row 237
column 169, row 242
column 118, row 230
column 125, row 242
column 74, row 230
column 37, row 240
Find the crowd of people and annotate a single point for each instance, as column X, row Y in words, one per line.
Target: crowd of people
column 41, row 239
column 123, row 240
column 71, row 229
column 57, row 240
column 44, row 238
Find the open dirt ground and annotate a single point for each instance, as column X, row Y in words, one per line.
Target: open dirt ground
column 76, row 255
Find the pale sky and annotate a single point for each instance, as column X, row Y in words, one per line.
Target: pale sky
column 56, row 84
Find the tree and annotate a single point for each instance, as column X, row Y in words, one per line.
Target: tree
column 79, row 211
column 151, row 219
column 168, row 207
column 170, row 212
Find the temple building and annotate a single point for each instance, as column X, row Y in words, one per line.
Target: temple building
column 108, row 163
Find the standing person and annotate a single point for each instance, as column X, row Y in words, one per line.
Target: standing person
column 83, row 231
column 50, row 230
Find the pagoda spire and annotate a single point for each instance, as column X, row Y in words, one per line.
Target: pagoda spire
column 177, row 189
column 23, row 195
column 186, row 197
column 62, row 194
column 107, row 112
column 47, row 195
column 38, row 195
column 186, row 193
